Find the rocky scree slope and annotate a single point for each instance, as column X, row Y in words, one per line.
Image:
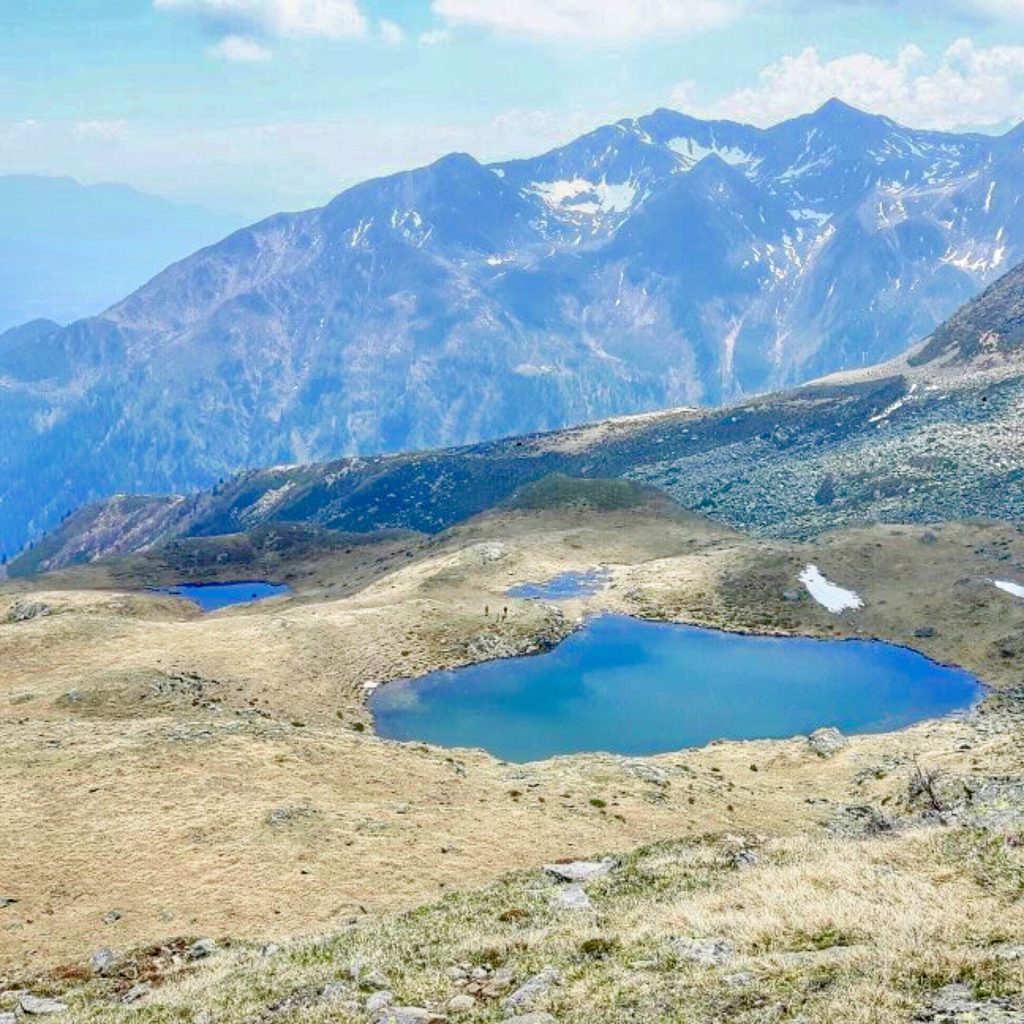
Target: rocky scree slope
column 656, row 262
column 928, row 437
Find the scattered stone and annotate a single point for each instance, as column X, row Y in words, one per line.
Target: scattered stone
column 792, row 595
column 581, row 870
column 955, row 1004
column 827, row 742
column 103, row 959
column 533, row 988
column 136, row 992
column 271, row 949
column 708, row 951
column 572, row 897
column 462, row 1003
column 925, row 632
column 530, row 1018
column 202, row 949
column 374, row 979
column 39, row 1006
column 7, row 901
column 7, row 1017
column 379, row 1001
column 112, row 916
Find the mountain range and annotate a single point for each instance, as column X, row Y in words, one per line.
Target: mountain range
column 660, row 261
column 933, row 435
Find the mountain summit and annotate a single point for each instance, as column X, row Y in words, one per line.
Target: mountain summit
column 657, row 261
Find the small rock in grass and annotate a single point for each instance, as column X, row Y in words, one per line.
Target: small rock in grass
column 572, row 897
column 709, row 951
column 7, row 1017
column 135, row 993
column 41, row 1005
column 530, row 1018
column 827, row 742
column 202, row 949
column 103, row 960
column 925, row 632
column 379, row 1001
column 956, row 1004
column 408, row 1015
column 533, row 988
column 461, row 1003
column 581, row 870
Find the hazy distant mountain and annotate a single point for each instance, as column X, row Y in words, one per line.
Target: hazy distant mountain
column 655, row 262
column 931, row 436
column 69, row 250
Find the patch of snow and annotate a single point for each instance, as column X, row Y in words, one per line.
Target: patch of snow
column 692, row 152
column 833, row 597
column 1010, row 588
column 577, row 195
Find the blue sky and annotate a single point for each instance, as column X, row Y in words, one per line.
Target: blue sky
column 257, row 105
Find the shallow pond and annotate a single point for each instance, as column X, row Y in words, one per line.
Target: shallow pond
column 564, row 586
column 212, row 597
column 631, row 687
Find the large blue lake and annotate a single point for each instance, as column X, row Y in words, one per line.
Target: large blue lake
column 627, row 686
column 211, row 597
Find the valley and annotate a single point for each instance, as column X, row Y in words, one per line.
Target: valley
column 217, row 776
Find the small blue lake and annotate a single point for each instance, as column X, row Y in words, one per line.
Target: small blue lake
column 211, row 597
column 564, row 586
column 631, row 687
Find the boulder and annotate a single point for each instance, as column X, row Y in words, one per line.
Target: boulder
column 827, row 742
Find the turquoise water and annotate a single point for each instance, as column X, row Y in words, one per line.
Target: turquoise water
column 564, row 586
column 626, row 686
column 212, row 597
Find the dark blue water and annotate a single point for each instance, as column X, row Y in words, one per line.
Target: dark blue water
column 631, row 687
column 564, row 586
column 212, row 597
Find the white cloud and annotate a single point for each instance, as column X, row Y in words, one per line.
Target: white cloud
column 965, row 85
column 239, row 48
column 330, row 19
column 596, row 20
column 435, row 37
column 104, row 131
column 998, row 9
column 390, row 33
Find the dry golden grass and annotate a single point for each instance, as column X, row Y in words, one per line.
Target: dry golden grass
column 144, row 748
